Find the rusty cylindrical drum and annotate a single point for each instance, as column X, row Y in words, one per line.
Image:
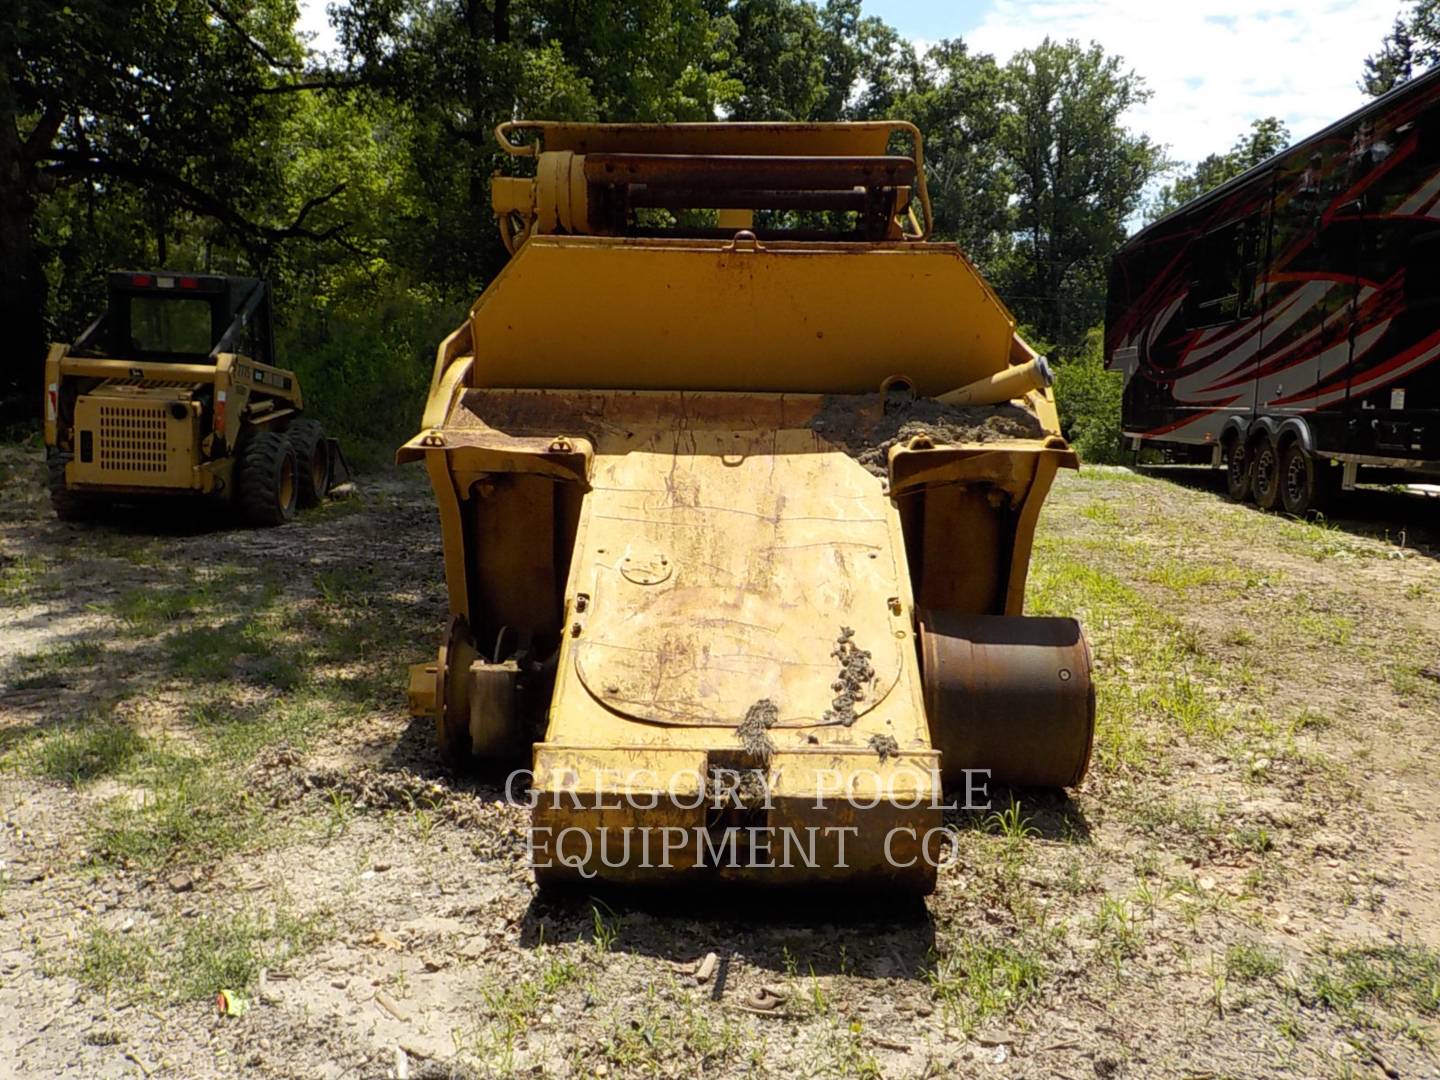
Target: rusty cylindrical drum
column 1011, row 694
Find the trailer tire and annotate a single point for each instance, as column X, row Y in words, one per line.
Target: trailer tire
column 312, row 461
column 67, row 504
column 1265, row 473
column 266, row 485
column 1304, row 481
column 1237, row 471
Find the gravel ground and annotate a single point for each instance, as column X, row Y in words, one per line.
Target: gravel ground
column 208, row 780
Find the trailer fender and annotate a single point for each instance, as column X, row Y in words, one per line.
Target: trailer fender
column 1263, row 427
column 1233, row 433
column 1297, row 429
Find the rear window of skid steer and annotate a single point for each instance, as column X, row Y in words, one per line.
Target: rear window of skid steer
column 170, row 325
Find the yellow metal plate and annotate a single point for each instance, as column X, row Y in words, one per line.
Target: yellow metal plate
column 596, row 313
column 722, row 570
column 133, row 439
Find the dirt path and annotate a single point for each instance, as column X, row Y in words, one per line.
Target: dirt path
column 208, row 774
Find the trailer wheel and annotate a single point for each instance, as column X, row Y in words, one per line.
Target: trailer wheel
column 312, row 460
column 1303, row 481
column 1265, row 474
column 267, row 486
column 67, row 504
column 1237, row 472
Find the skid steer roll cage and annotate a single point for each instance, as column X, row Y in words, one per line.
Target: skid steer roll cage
column 91, row 341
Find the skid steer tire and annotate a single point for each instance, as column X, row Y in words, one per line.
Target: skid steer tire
column 266, row 488
column 312, row 461
column 68, row 506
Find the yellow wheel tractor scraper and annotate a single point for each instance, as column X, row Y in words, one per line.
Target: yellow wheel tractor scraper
column 172, row 392
column 737, row 480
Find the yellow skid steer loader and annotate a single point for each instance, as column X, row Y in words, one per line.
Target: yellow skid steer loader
column 173, row 392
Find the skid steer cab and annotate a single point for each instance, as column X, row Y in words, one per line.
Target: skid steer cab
column 173, row 392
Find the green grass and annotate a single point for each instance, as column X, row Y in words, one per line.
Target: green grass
column 1318, row 539
column 227, row 590
column 202, row 804
column 1324, row 628
column 1395, row 975
column 510, row 1005
column 686, row 1040
column 1182, row 575
column 1116, row 930
column 1102, row 513
column 147, row 611
column 18, row 575
column 233, row 624
column 44, row 668
column 91, row 749
column 109, row 960
column 200, row 814
column 254, row 647
column 1247, row 962
column 975, row 980
column 192, row 959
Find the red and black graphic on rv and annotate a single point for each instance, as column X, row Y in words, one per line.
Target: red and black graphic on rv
column 1309, row 286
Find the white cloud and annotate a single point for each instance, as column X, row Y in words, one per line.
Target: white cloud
column 1215, row 65
column 315, row 21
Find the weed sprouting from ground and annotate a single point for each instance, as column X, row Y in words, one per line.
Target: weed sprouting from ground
column 975, row 980
column 192, row 959
column 91, row 749
column 1011, row 823
column 1346, row 978
column 1246, row 961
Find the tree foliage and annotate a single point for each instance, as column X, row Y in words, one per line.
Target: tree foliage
column 1266, row 138
column 200, row 133
column 1078, row 176
column 1411, row 46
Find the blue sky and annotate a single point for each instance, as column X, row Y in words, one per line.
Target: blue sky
column 1212, row 65
column 928, row 19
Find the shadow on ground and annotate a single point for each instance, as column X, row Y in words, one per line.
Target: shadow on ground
column 812, row 932
column 1375, row 513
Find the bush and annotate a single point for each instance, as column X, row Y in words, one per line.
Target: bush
column 365, row 367
column 1088, row 398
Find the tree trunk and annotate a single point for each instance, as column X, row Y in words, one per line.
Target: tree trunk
column 22, row 282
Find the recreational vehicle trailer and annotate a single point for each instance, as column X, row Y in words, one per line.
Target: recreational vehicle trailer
column 1286, row 325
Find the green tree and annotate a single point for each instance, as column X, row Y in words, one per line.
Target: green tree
column 452, row 69
column 780, row 61
column 1078, row 175
column 1411, row 46
column 1266, row 138
column 955, row 98
column 1089, row 398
